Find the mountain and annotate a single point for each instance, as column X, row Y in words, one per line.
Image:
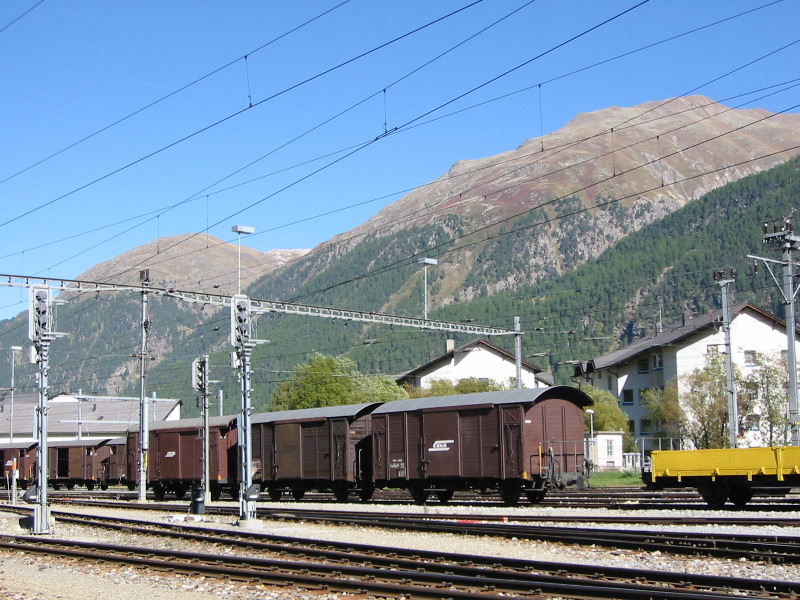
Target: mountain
column 198, row 262
column 584, row 232
column 602, row 176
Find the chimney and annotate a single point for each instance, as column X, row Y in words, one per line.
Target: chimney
column 450, row 345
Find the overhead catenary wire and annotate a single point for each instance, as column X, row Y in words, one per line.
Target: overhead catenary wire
column 618, row 56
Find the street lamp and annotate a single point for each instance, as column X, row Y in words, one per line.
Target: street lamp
column 11, row 416
column 426, row 262
column 590, row 412
column 239, row 230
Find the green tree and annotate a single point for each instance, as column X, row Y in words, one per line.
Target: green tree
column 608, row 416
column 706, row 405
column 331, row 381
column 765, row 394
column 664, row 408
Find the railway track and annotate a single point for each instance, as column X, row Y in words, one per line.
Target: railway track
column 280, row 560
column 299, row 512
column 628, row 498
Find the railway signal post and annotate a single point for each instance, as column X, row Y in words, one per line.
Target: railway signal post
column 243, row 343
column 41, row 334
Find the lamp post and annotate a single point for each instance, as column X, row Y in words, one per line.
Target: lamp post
column 11, row 415
column 426, row 262
column 239, row 230
column 590, row 412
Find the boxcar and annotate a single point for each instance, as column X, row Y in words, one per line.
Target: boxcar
column 513, row 442
column 719, row 475
column 25, row 455
column 89, row 463
column 175, row 457
column 313, row 449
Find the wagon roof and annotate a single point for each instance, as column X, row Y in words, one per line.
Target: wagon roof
column 323, row 412
column 487, row 398
column 84, row 443
column 194, row 422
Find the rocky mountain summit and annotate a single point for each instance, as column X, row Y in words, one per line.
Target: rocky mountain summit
column 194, row 262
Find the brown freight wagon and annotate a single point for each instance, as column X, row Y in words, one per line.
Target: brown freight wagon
column 26, row 455
column 89, row 463
column 312, row 449
column 175, row 457
column 513, row 442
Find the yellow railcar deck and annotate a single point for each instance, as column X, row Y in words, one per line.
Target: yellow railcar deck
column 775, row 462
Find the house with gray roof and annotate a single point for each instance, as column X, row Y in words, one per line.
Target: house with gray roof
column 673, row 354
column 78, row 417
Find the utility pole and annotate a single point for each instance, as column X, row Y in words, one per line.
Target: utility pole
column 733, row 402
column 779, row 234
column 144, row 424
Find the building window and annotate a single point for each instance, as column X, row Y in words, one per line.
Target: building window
column 749, row 357
column 752, row 422
column 609, row 447
column 627, row 396
column 644, row 366
column 631, row 426
column 645, row 425
column 609, row 382
column 658, row 362
column 642, row 392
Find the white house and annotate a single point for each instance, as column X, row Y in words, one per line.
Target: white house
column 605, row 450
column 674, row 354
column 478, row 359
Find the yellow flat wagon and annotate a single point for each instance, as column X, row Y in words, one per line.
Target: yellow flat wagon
column 735, row 474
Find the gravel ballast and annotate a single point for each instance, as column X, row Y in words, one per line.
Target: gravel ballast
column 28, row 577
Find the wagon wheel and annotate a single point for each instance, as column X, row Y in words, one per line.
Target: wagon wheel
column 418, row 493
column 70, row 486
column 510, row 492
column 444, row 496
column 89, row 487
column 159, row 492
column 340, row 491
column 535, row 496
column 56, row 487
column 715, row 494
column 104, row 486
column 365, row 493
column 216, row 493
column 740, row 495
column 298, row 493
column 180, row 492
column 274, row 494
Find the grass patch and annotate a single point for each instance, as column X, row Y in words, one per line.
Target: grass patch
column 615, row 479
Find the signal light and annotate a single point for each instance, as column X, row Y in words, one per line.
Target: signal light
column 39, row 321
column 241, row 327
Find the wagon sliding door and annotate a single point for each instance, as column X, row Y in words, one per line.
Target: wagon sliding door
column 440, row 444
column 288, row 450
column 339, row 455
column 511, row 439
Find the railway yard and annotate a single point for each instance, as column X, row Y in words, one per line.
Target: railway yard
column 599, row 543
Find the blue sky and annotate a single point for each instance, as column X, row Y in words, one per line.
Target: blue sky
column 204, row 158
